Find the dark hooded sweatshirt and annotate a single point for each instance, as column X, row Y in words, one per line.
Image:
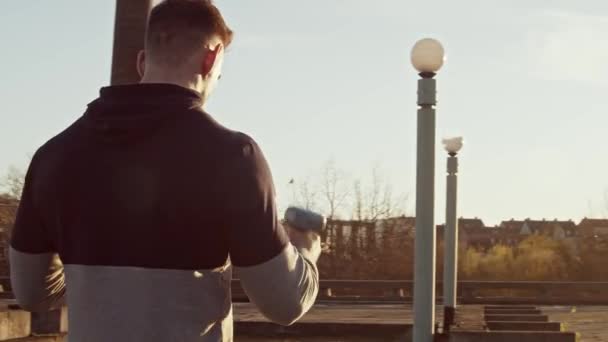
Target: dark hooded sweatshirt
column 148, row 202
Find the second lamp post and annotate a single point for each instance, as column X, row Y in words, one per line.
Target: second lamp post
column 450, row 265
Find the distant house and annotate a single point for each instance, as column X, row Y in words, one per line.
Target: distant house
column 400, row 223
column 468, row 224
column 472, row 232
column 558, row 230
column 512, row 226
column 593, row 227
column 471, row 224
column 344, row 232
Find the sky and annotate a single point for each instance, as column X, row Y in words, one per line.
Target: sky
column 525, row 83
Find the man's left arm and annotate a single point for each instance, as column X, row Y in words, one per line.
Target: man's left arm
column 37, row 276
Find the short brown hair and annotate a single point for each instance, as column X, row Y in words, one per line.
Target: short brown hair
column 177, row 28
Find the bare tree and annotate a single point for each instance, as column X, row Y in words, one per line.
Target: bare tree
column 606, row 203
column 332, row 187
column 358, row 204
column 380, row 197
column 377, row 201
column 308, row 195
column 303, row 194
column 13, row 182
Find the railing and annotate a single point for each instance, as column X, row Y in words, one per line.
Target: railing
column 469, row 292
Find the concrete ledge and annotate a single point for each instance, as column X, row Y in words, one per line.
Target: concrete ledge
column 14, row 324
column 511, row 336
column 512, row 312
column 508, row 302
column 383, row 331
column 516, row 318
column 48, row 338
column 529, row 301
column 22, row 326
column 51, row 322
column 525, row 326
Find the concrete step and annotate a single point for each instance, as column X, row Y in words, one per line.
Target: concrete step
column 508, row 307
column 14, row 324
column 525, row 326
column 47, row 338
column 389, row 332
column 512, row 312
column 512, row 336
column 50, row 322
column 6, row 295
column 516, row 318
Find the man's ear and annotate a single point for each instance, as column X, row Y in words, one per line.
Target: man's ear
column 209, row 60
column 141, row 63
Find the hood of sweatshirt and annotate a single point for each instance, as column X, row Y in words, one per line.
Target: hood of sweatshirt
column 127, row 113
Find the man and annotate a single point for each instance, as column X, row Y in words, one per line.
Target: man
column 148, row 202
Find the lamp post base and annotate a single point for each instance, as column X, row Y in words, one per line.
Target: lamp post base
column 449, row 315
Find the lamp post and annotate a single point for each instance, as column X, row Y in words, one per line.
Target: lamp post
column 427, row 57
column 450, row 265
column 129, row 31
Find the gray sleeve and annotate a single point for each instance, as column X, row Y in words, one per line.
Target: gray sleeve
column 283, row 288
column 37, row 280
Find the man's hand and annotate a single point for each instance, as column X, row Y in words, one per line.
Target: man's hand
column 308, row 243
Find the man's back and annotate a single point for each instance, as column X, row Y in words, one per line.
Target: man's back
column 144, row 198
column 149, row 175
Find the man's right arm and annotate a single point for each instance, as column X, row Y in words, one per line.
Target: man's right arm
column 281, row 279
column 283, row 288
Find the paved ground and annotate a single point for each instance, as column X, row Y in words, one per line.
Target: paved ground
column 341, row 313
column 590, row 321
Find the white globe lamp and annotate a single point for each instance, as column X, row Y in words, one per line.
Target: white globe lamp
column 428, row 56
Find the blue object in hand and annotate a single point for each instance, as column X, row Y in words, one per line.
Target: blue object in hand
column 304, row 220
